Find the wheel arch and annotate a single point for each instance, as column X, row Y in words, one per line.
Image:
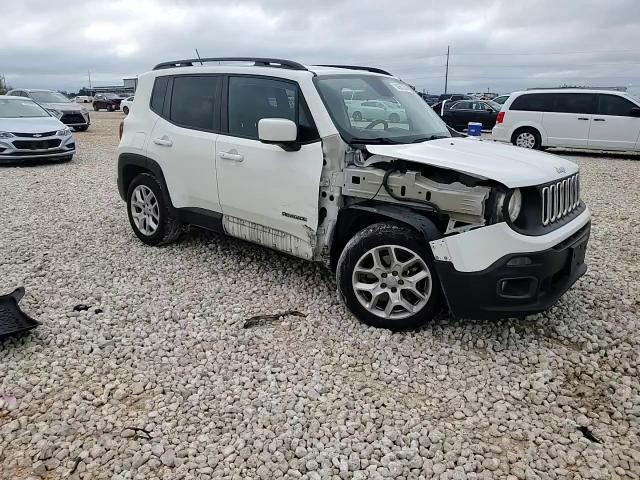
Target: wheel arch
column 529, row 126
column 132, row 164
column 356, row 217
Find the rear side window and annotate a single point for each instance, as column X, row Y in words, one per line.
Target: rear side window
column 615, row 105
column 461, row 106
column 532, row 102
column 193, row 101
column 574, row 103
column 157, row 95
column 252, row 99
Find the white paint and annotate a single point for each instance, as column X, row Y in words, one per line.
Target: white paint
column 477, row 249
column 511, row 166
column 277, row 130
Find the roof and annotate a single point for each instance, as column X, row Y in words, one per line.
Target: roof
column 570, row 90
column 15, row 97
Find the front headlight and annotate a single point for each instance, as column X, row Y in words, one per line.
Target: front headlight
column 6, row 135
column 515, row 204
column 65, row 132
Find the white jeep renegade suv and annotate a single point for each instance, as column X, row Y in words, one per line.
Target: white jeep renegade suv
column 410, row 214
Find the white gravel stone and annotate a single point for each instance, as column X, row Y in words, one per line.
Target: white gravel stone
column 315, row 397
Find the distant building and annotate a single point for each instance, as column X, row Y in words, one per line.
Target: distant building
column 128, row 87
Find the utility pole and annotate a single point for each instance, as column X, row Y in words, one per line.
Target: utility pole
column 89, row 72
column 446, row 74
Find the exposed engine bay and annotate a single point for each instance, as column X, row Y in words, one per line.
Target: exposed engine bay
column 460, row 198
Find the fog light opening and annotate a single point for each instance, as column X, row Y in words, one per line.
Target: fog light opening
column 519, row 261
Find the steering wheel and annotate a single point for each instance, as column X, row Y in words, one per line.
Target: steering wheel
column 377, row 122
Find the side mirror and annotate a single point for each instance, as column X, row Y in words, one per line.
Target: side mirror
column 279, row 131
column 635, row 112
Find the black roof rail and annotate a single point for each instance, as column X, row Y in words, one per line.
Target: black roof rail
column 258, row 62
column 357, row 67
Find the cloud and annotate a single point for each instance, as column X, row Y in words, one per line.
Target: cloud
column 499, row 45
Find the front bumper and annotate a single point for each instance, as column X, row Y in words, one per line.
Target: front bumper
column 76, row 119
column 51, row 148
column 494, row 272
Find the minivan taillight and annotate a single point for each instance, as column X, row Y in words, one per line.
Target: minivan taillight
column 500, row 117
column 121, row 129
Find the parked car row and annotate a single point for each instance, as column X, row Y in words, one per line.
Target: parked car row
column 30, row 131
column 68, row 112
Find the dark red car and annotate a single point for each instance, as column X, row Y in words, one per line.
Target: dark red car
column 106, row 101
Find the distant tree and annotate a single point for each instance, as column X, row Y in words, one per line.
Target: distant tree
column 4, row 87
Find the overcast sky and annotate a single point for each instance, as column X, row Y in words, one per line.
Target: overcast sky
column 497, row 45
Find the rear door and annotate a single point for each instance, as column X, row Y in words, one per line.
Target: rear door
column 268, row 195
column 613, row 127
column 184, row 137
column 569, row 119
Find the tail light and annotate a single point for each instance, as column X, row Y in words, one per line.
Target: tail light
column 500, row 117
column 120, row 129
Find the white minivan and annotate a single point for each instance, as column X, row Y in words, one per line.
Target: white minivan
column 576, row 118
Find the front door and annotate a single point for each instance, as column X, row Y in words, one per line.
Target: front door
column 268, row 195
column 613, row 127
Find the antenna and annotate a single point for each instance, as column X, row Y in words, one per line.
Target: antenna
column 198, row 55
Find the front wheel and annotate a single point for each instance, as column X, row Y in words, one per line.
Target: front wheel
column 394, row 118
column 96, row 107
column 125, row 110
column 81, row 128
column 357, row 116
column 387, row 279
column 150, row 213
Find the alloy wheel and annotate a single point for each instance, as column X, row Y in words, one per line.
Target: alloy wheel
column 392, row 282
column 526, row 140
column 145, row 210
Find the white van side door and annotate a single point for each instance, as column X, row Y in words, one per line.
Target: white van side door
column 613, row 127
column 568, row 122
column 268, row 195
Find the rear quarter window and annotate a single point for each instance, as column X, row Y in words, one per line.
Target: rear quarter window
column 615, row 105
column 158, row 94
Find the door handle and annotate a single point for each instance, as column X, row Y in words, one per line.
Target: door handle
column 598, row 119
column 164, row 141
column 583, row 118
column 233, row 156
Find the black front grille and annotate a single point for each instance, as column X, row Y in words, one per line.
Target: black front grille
column 36, row 144
column 68, row 118
column 34, row 135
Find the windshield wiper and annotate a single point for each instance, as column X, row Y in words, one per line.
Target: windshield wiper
column 430, row 137
column 376, row 140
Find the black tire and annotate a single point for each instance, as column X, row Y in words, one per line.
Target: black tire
column 394, row 118
column 81, row 128
column 380, row 234
column 125, row 110
column 110, row 108
column 357, row 116
column 169, row 227
column 537, row 142
column 96, row 107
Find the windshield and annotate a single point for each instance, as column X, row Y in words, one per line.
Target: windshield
column 14, row 108
column 49, row 97
column 387, row 110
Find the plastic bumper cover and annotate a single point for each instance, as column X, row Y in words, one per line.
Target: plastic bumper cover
column 517, row 284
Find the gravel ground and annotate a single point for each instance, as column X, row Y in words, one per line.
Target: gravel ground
column 164, row 382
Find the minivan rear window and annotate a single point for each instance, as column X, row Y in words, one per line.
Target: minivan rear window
column 532, row 102
column 615, row 105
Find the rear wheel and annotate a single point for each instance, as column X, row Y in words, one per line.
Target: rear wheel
column 110, row 108
column 95, row 107
column 125, row 110
column 357, row 116
column 526, row 138
column 387, row 279
column 394, row 118
column 150, row 214
column 81, row 128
